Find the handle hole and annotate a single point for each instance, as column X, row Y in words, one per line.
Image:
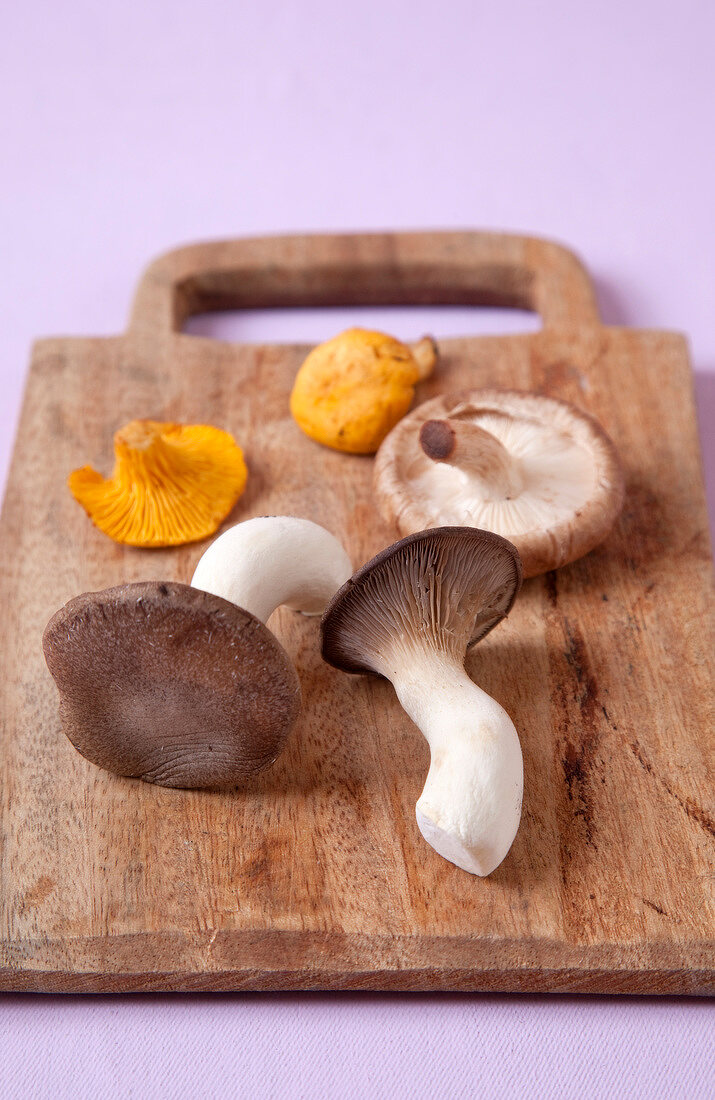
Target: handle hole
column 313, row 325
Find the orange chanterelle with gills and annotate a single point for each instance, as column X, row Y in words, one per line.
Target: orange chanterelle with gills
column 172, row 484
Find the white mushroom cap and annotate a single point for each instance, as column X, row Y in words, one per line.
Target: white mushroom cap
column 268, row 561
column 537, row 471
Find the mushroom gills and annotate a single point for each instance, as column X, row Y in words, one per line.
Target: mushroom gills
column 538, row 471
column 172, row 483
column 550, row 475
column 410, row 615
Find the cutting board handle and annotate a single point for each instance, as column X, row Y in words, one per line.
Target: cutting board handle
column 448, row 268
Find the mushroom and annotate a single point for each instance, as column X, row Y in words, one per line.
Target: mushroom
column 352, row 390
column 172, row 484
column 263, row 563
column 179, row 686
column 410, row 615
column 537, row 471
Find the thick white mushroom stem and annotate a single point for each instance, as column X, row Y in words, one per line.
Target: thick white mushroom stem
column 477, row 452
column 273, row 560
column 470, row 807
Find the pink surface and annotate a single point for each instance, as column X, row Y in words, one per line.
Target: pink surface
column 128, row 129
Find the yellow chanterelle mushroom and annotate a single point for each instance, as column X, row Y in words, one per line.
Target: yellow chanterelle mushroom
column 172, row 483
column 352, row 390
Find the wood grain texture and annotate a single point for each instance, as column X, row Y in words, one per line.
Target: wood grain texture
column 315, row 875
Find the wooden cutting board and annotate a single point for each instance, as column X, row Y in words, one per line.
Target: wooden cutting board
column 315, row 875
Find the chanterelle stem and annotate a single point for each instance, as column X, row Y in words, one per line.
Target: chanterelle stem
column 470, row 806
column 477, row 452
column 424, row 353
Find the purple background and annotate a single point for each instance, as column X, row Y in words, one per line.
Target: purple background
column 130, row 128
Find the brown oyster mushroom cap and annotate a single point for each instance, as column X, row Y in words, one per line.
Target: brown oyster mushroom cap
column 169, row 684
column 444, row 588
column 536, row 470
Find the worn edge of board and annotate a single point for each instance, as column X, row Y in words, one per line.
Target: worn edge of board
column 259, row 961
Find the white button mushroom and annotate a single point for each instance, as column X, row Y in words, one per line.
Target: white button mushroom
column 410, row 615
column 537, row 471
column 184, row 686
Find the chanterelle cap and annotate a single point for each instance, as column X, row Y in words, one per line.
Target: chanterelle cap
column 170, row 684
column 538, row 471
column 444, row 588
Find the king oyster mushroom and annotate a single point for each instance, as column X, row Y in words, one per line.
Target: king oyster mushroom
column 537, row 471
column 410, row 615
column 176, row 684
